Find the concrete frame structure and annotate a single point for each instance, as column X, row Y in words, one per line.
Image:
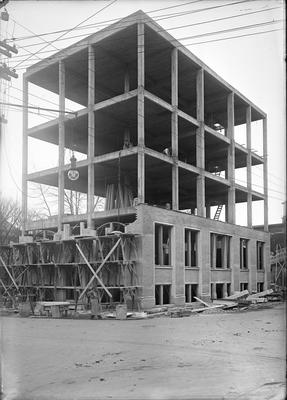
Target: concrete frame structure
column 156, row 121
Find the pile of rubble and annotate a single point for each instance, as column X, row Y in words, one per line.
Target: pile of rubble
column 238, row 301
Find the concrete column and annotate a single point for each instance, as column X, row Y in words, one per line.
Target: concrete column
column 231, row 159
column 140, row 117
column 200, row 159
column 207, row 211
column 213, row 253
column 174, row 127
column 25, row 156
column 224, row 290
column 249, row 167
column 265, row 176
column 91, row 136
column 61, row 156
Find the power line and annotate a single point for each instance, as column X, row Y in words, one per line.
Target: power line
column 252, row 26
column 39, row 108
column 103, row 8
column 232, row 37
column 107, row 23
column 172, row 28
column 182, row 13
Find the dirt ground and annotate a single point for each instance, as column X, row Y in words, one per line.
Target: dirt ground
column 235, row 355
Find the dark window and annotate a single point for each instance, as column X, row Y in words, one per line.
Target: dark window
column 220, row 251
column 260, row 255
column 260, row 287
column 162, row 294
column 219, row 290
column 190, row 292
column 243, row 286
column 190, row 240
column 243, row 253
column 162, row 244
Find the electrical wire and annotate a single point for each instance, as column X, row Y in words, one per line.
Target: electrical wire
column 80, row 23
column 172, row 28
column 107, row 23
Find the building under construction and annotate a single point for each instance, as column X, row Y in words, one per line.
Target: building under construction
column 157, row 128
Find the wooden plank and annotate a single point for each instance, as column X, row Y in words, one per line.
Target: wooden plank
column 201, row 301
column 94, row 276
column 260, row 294
column 207, row 308
column 238, row 295
column 8, row 272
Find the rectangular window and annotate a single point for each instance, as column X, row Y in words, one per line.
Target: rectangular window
column 162, row 244
column 243, row 286
column 219, row 251
column 260, row 287
column 260, row 255
column 190, row 292
column 243, row 254
column 190, row 242
column 162, row 294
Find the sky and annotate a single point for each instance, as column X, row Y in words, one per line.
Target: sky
column 252, row 63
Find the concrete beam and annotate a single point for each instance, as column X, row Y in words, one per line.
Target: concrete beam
column 61, row 148
column 158, row 100
column 115, row 100
column 187, row 117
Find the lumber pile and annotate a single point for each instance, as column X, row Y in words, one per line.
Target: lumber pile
column 118, row 196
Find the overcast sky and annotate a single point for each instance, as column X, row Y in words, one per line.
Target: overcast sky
column 253, row 63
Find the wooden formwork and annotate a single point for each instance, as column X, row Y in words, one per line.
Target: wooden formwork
column 74, row 269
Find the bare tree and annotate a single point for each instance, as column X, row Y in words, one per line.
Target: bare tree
column 10, row 220
column 74, row 202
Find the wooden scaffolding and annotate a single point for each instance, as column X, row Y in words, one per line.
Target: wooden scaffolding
column 74, row 269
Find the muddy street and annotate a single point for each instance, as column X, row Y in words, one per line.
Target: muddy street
column 222, row 355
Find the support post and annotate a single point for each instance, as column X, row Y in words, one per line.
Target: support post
column 249, row 167
column 91, row 136
column 265, row 175
column 200, row 157
column 231, row 159
column 140, row 116
column 174, row 128
column 25, row 156
column 61, row 156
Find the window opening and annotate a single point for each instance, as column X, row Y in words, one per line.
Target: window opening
column 260, row 255
column 243, row 253
column 162, row 244
column 190, row 239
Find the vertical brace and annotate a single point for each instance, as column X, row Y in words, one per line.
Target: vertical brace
column 61, row 156
column 25, row 156
column 249, row 167
column 91, row 135
column 231, row 159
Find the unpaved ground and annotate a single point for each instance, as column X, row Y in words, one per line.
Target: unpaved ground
column 239, row 355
